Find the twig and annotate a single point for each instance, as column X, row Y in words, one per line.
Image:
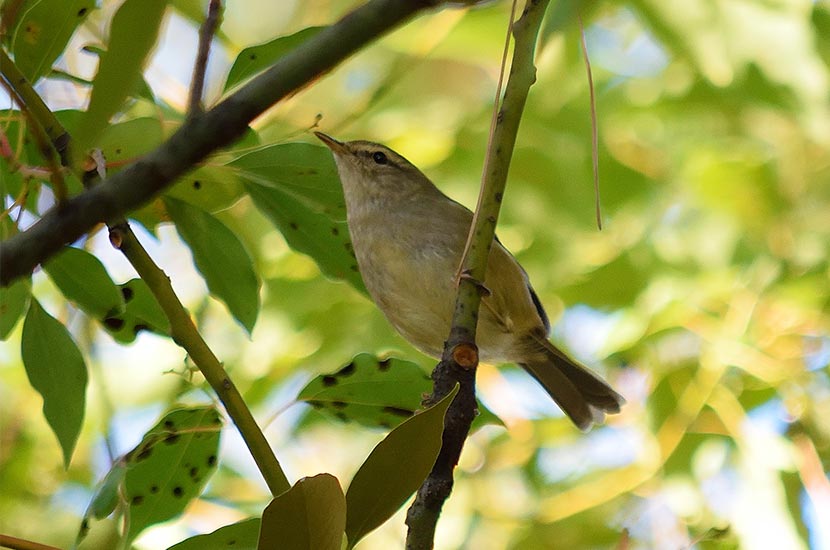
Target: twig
column 185, row 334
column 8, row 541
column 460, row 353
column 42, row 135
column 206, row 34
column 26, row 95
column 594, row 132
column 201, row 135
column 493, row 121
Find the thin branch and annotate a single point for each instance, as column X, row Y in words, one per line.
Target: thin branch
column 493, row 121
column 185, row 334
column 26, row 95
column 594, row 132
column 460, row 353
column 42, row 135
column 8, row 541
column 206, row 33
column 201, row 135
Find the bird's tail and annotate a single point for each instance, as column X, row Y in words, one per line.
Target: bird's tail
column 581, row 394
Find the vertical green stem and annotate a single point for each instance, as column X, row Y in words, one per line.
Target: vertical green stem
column 459, row 360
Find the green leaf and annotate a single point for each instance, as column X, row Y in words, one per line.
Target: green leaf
column 124, row 142
column 57, row 371
column 378, row 393
column 296, row 186
column 255, row 59
column 221, row 259
column 82, row 279
column 210, row 187
column 242, row 535
column 310, row 515
column 142, row 312
column 369, row 390
column 106, row 496
column 104, row 500
column 213, row 186
column 13, row 301
column 394, row 470
column 43, row 31
column 134, row 31
column 171, row 466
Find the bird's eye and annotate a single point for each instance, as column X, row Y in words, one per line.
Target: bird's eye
column 379, row 158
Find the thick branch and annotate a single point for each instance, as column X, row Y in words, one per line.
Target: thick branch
column 422, row 516
column 199, row 136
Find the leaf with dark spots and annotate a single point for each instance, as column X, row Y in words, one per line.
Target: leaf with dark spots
column 166, row 470
column 348, row 370
column 398, row 411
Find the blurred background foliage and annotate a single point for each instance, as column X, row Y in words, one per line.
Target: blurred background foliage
column 704, row 300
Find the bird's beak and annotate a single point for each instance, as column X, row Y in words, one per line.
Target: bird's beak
column 331, row 143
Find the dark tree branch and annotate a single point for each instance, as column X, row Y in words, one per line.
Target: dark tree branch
column 460, row 354
column 201, row 135
column 206, row 34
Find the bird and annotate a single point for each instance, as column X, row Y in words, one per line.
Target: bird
column 409, row 237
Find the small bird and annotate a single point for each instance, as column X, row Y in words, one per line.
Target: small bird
column 409, row 238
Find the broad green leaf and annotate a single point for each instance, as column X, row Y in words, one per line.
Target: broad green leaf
column 378, row 393
column 372, row 391
column 393, row 471
column 221, row 259
column 304, row 172
column 57, row 371
column 237, row 536
column 125, row 142
column 142, row 312
column 310, row 515
column 13, row 301
column 134, row 31
column 83, row 279
column 296, row 186
column 251, row 61
column 211, row 187
column 43, row 31
column 171, row 466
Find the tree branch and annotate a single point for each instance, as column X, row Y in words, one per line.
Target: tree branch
column 206, row 33
column 185, row 334
column 8, row 541
column 460, row 355
column 201, row 135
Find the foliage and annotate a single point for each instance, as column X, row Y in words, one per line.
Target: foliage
column 704, row 300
